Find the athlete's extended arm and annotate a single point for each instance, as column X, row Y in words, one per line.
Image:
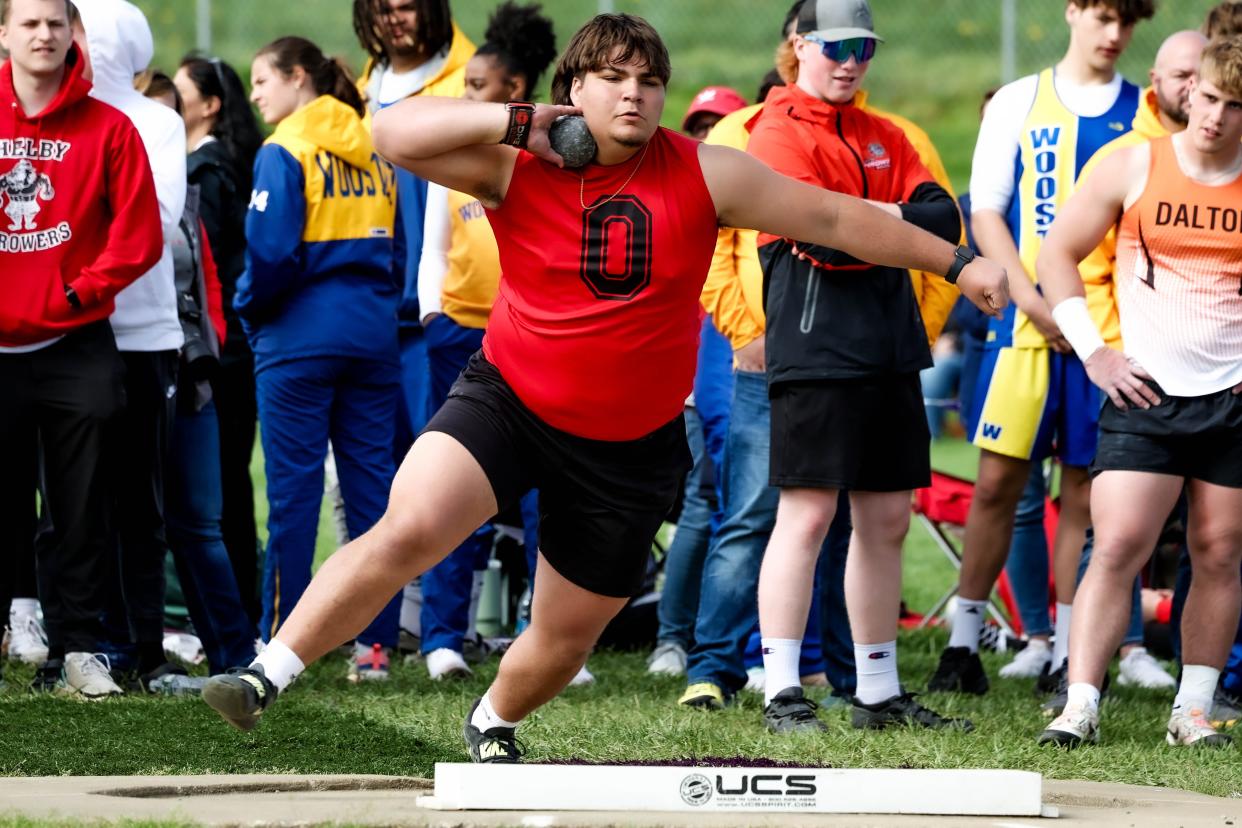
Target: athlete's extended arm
column 994, row 240
column 749, row 194
column 1080, row 226
column 456, row 142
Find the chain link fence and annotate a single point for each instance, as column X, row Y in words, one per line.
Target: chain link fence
column 938, row 59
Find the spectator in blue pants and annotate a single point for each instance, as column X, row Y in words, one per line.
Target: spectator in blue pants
column 707, row 422
column 319, row 306
column 194, row 492
column 728, row 607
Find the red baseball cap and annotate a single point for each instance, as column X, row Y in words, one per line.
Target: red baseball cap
column 718, row 100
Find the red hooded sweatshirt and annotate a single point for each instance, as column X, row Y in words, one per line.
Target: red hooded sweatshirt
column 77, row 207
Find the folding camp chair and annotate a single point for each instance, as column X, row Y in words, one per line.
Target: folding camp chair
column 941, row 509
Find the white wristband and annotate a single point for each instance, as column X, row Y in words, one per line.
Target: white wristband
column 1076, row 326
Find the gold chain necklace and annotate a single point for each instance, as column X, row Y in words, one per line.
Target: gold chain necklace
column 634, row 172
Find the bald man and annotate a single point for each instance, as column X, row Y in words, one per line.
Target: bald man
column 1176, row 67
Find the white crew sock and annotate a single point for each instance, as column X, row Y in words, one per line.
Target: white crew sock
column 968, row 623
column 280, row 664
column 1060, row 641
column 485, row 717
column 876, row 666
column 1197, row 689
column 24, row 608
column 1081, row 693
column 780, row 665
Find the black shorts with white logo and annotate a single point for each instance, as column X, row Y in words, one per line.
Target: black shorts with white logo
column 600, row 502
column 867, row 435
column 1199, row 438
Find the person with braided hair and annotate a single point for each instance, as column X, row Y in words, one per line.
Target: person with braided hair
column 458, row 277
column 413, row 48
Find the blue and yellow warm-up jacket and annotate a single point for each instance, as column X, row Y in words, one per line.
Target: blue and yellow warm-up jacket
column 319, row 233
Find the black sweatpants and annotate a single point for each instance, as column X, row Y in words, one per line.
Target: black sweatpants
column 61, row 398
column 233, row 390
column 138, row 450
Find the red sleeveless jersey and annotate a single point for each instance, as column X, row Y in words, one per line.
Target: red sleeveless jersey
column 596, row 323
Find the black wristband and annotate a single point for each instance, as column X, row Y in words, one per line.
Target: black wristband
column 961, row 257
column 72, row 297
column 521, row 116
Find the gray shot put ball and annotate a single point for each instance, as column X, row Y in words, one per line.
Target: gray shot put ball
column 572, row 140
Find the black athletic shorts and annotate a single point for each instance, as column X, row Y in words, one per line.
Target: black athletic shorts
column 867, row 435
column 1193, row 437
column 600, row 502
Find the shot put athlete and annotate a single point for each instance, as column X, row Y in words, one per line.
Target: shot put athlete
column 587, row 361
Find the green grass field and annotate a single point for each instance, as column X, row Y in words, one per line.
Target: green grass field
column 326, row 725
column 937, row 60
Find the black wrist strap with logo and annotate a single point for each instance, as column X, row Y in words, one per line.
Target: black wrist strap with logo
column 521, row 116
column 961, row 257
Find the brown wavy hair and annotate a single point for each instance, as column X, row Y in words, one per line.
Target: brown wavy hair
column 1130, row 11
column 606, row 39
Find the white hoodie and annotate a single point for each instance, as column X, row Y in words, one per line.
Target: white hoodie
column 120, row 45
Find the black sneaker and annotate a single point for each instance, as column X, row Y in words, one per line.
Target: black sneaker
column 240, row 696
column 903, row 710
column 47, row 676
column 959, row 671
column 1226, row 708
column 790, row 712
column 1058, row 695
column 494, row 746
column 1048, row 679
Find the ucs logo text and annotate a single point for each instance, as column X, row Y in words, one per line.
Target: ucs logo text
column 769, row 784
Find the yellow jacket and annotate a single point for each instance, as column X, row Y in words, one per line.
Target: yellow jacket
column 450, row 82
column 1097, row 269
column 733, row 293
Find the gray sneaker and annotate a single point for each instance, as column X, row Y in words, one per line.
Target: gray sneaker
column 89, row 676
column 902, row 711
column 667, row 659
column 1226, row 709
column 790, row 711
column 240, row 696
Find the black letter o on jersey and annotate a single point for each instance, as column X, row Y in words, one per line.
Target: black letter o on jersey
column 617, row 232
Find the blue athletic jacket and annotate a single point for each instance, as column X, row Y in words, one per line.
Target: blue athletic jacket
column 319, row 235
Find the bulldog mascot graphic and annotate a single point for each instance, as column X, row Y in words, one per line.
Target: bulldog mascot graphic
column 24, row 186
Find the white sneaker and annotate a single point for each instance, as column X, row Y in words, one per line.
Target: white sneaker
column 445, row 663
column 1030, row 660
column 1191, row 727
column 583, row 677
column 756, row 680
column 88, row 675
column 1076, row 724
column 27, row 640
column 1140, row 669
column 667, row 659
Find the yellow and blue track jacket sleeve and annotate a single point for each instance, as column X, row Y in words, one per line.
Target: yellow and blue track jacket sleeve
column 319, row 231
column 275, row 252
